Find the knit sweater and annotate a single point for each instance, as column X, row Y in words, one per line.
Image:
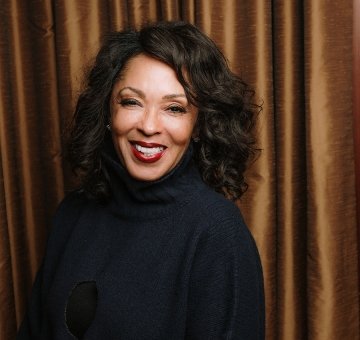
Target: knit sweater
column 169, row 259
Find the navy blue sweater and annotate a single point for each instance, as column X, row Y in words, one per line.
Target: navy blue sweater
column 168, row 260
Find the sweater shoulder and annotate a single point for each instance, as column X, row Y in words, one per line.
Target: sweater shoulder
column 220, row 219
column 224, row 232
column 70, row 207
column 215, row 208
column 66, row 216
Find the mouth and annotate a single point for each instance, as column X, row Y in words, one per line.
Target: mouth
column 147, row 152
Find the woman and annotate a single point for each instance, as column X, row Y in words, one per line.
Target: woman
column 152, row 246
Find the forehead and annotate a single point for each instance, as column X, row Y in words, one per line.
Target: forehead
column 147, row 73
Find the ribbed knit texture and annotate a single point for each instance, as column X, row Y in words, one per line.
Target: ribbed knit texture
column 171, row 260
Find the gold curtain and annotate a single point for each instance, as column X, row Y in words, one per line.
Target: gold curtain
column 301, row 205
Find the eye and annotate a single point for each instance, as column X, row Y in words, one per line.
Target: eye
column 129, row 102
column 176, row 109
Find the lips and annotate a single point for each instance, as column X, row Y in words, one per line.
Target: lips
column 147, row 152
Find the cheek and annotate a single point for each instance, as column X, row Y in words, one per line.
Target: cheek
column 181, row 134
column 120, row 123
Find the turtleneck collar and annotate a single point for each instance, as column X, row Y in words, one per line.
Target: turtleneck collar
column 132, row 197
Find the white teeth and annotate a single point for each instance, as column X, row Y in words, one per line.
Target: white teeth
column 148, row 151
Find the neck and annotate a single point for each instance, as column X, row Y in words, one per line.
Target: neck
column 135, row 198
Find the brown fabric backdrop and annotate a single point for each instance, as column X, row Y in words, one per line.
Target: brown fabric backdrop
column 356, row 108
column 301, row 206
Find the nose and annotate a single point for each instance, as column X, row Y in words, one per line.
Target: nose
column 150, row 123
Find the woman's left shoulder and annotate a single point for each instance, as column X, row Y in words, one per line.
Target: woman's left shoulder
column 217, row 206
column 219, row 214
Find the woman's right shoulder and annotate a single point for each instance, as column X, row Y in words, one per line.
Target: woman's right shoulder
column 71, row 204
column 68, row 212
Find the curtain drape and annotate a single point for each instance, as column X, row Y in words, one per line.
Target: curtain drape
column 301, row 204
column 356, row 108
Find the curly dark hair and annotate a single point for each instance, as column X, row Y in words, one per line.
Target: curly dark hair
column 227, row 112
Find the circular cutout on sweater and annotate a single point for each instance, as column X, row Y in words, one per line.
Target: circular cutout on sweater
column 81, row 308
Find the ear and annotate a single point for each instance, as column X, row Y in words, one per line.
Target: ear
column 195, row 135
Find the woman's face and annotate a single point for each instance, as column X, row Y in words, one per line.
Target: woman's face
column 151, row 119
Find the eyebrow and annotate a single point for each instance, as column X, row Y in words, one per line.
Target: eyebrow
column 138, row 92
column 175, row 95
column 142, row 94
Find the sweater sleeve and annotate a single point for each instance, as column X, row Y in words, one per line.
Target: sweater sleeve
column 34, row 324
column 226, row 299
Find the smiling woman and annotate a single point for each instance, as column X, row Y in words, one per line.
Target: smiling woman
column 151, row 245
column 151, row 122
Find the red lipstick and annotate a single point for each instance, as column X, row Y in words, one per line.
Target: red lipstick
column 148, row 145
column 146, row 156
